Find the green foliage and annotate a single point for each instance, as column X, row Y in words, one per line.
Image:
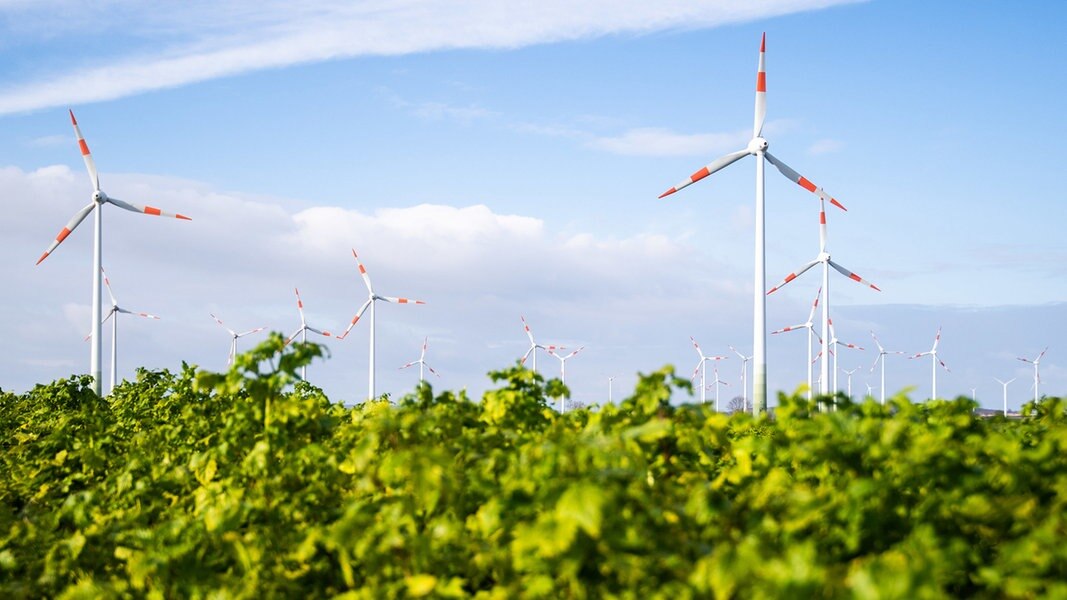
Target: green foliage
column 252, row 483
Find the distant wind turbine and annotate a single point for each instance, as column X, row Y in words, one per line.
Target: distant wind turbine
column 882, row 353
column 744, row 378
column 563, row 373
column 114, row 312
column 934, row 361
column 371, row 299
column 702, row 369
column 717, row 383
column 811, row 331
column 532, row 352
column 610, row 380
column 849, row 373
column 303, row 331
column 234, row 336
column 834, row 344
column 1004, row 384
column 1037, row 371
column 99, row 199
column 422, row 361
column 758, row 147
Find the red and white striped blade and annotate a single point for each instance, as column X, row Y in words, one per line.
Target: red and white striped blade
column 355, row 319
column 363, row 272
column 408, row 365
column 527, row 355
column 401, row 300
column 71, row 226
column 102, row 321
column 1042, row 354
column 853, row 276
column 822, row 225
column 942, row 363
column 847, row 345
column 802, row 181
column 425, row 343
column 551, row 348
column 138, row 314
column 292, row 337
column 430, row 369
column 319, row 331
column 696, row 370
column 792, row 328
column 814, row 305
column 792, row 276
column 300, row 306
column 526, row 327
column 90, row 164
column 697, row 346
column 937, row 338
column 761, row 89
column 921, row 354
column 718, row 164
column 219, row 321
column 148, row 210
column 580, row 348
column 250, row 331
column 107, row 284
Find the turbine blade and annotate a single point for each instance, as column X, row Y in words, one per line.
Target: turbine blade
column 942, row 363
column 937, row 339
column 219, row 321
column 527, row 355
column 292, row 337
column 853, row 276
column 761, row 90
column 148, row 210
column 580, row 348
column 430, row 369
column 355, row 319
column 526, row 327
column 320, row 332
column 363, row 272
column 802, row 181
column 791, row 328
column 792, row 276
column 107, row 284
column 400, row 300
column 71, row 226
column 697, row 346
column 879, row 344
column 249, row 332
column 408, row 365
column 716, row 165
column 814, row 306
column 90, row 164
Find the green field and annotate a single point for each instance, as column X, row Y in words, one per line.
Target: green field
column 253, row 484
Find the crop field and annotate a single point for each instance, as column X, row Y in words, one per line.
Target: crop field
column 251, row 483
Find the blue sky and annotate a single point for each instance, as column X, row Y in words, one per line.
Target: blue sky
column 497, row 160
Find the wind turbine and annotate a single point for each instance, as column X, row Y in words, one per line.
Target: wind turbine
column 716, row 383
column 99, row 199
column 758, row 147
column 534, row 346
column 702, row 369
column 870, row 392
column 1037, row 373
column 371, row 298
column 934, row 360
column 811, row 330
column 824, row 258
column 610, row 380
column 849, row 373
column 882, row 352
column 422, row 361
column 744, row 378
column 115, row 310
column 563, row 373
column 834, row 342
column 233, row 337
column 1004, row 384
column 303, row 331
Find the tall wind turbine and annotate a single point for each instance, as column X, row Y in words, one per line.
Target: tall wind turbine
column 303, row 331
column 563, row 373
column 99, row 199
column 823, row 258
column 744, row 378
column 757, row 147
column 849, row 373
column 834, row 343
column 934, row 360
column 703, row 370
column 234, row 336
column 611, row 379
column 371, row 299
column 811, row 330
column 114, row 312
column 1004, row 384
column 422, row 361
column 717, row 383
column 882, row 352
column 1037, row 372
column 532, row 352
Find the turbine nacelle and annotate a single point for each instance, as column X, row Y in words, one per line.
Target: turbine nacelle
column 757, row 144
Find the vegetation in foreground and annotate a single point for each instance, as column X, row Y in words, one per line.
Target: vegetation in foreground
column 251, row 483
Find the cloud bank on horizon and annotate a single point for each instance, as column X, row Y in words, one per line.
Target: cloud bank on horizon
column 171, row 45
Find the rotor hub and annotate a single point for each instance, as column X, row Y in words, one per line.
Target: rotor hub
column 757, row 144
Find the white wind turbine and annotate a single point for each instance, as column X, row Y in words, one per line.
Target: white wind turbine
column 849, row 373
column 563, row 373
column 716, row 383
column 234, row 337
column 757, row 147
column 744, row 378
column 834, row 343
column 610, row 380
column 824, row 258
column 422, row 361
column 1004, row 384
column 532, row 351
column 371, row 299
column 303, row 331
column 114, row 312
column 1037, row 373
column 870, row 392
column 99, row 199
column 811, row 331
column 882, row 352
column 702, row 369
column 934, row 361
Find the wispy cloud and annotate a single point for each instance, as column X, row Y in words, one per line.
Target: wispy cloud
column 203, row 40
column 650, row 141
column 825, row 146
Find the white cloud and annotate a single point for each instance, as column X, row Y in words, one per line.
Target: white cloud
column 825, row 146
column 651, row 141
column 203, row 40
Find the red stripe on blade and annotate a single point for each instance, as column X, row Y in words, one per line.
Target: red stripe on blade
column 668, row 192
column 804, row 183
column 149, row 210
column 701, row 174
column 855, row 277
column 761, row 82
column 84, row 147
column 63, row 235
